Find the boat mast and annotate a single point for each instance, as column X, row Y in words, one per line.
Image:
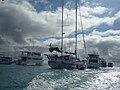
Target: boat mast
column 62, row 32
column 82, row 29
column 76, row 32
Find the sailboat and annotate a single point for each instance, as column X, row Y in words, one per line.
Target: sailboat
column 65, row 60
column 93, row 59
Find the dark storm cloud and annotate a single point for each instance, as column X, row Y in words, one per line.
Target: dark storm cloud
column 14, row 24
column 17, row 22
column 11, row 20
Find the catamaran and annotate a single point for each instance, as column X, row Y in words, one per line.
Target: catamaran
column 6, row 60
column 63, row 59
column 30, row 58
column 93, row 61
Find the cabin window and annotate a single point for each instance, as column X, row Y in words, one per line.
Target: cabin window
column 66, row 57
column 94, row 61
column 36, row 58
column 52, row 59
column 25, row 54
column 24, row 58
column 36, row 54
column 5, row 60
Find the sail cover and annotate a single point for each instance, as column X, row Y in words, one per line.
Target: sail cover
column 51, row 49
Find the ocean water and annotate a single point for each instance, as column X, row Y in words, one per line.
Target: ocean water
column 14, row 77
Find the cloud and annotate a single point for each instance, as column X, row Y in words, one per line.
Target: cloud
column 106, row 33
column 22, row 23
column 19, row 21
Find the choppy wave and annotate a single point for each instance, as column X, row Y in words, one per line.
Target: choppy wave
column 89, row 79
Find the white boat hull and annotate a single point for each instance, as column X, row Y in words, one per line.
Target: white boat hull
column 61, row 65
column 30, row 62
column 34, row 62
column 30, row 58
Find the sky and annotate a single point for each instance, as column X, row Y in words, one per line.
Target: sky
column 38, row 23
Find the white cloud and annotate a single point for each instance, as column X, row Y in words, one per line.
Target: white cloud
column 117, row 14
column 93, row 10
column 106, row 33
